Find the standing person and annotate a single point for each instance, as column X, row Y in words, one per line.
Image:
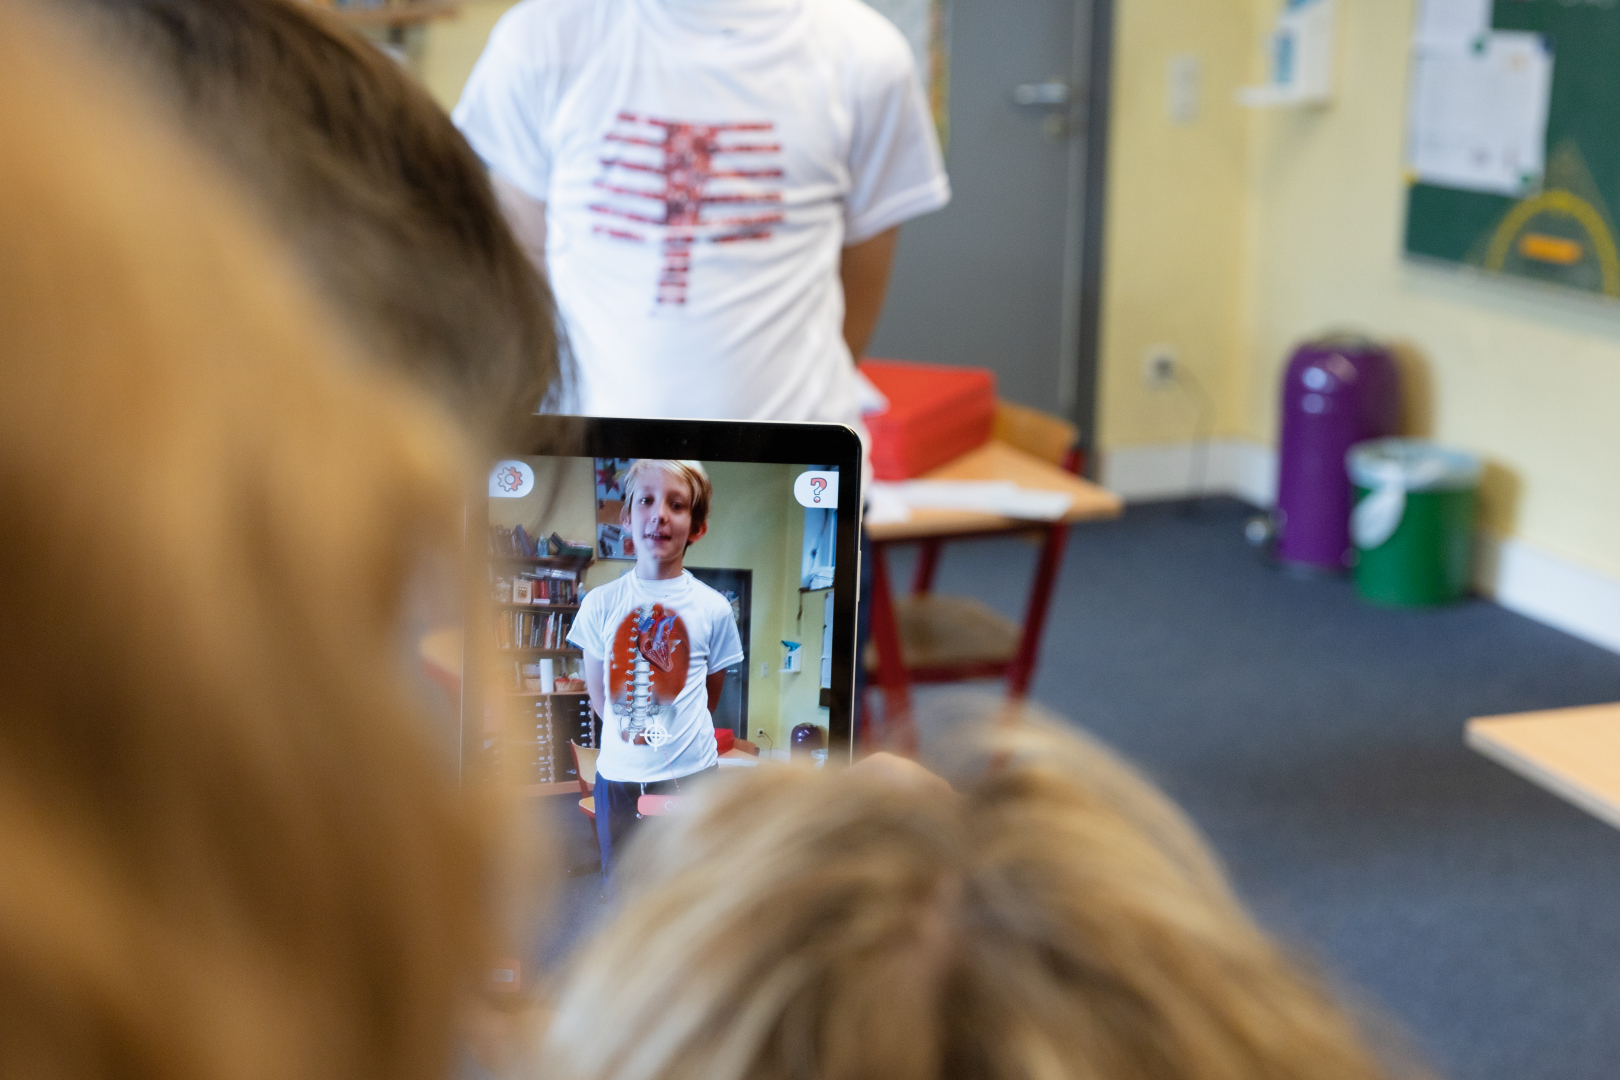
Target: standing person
column 657, row 643
column 716, row 187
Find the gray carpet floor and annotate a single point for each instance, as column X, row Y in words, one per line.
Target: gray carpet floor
column 1317, row 741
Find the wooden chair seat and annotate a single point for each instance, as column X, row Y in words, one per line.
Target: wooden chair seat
column 587, row 806
column 950, row 632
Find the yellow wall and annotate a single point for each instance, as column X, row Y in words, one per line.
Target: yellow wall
column 1237, row 236
column 1175, row 226
column 1528, row 379
column 449, row 49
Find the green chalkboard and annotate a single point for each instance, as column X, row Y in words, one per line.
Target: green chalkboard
column 1563, row 232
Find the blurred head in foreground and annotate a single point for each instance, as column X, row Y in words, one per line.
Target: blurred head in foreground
column 229, row 850
column 389, row 211
column 1055, row 918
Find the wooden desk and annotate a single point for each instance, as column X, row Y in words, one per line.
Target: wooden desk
column 992, row 461
column 998, row 461
column 1573, row 753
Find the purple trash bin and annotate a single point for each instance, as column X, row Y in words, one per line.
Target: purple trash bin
column 1336, row 392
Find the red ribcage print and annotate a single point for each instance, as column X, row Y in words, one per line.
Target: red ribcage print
column 692, row 183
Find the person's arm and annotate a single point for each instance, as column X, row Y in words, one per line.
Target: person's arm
column 864, row 270
column 596, row 685
column 527, row 217
column 715, row 683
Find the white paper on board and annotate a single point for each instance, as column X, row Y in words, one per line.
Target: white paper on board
column 1478, row 113
column 1451, row 22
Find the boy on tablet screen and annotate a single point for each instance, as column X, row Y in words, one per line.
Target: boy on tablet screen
column 657, row 643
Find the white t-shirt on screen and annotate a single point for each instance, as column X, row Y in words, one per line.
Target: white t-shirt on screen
column 660, row 639
column 701, row 177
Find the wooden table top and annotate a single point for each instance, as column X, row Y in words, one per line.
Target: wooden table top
column 1573, row 753
column 997, row 461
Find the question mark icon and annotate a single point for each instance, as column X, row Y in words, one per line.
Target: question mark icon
column 818, row 485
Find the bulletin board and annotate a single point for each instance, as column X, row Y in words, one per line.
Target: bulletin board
column 1513, row 139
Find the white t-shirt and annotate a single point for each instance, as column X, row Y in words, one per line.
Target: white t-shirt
column 661, row 640
column 701, row 179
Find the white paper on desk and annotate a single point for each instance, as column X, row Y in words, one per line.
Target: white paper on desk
column 884, row 505
column 1451, row 22
column 1478, row 113
column 1000, row 497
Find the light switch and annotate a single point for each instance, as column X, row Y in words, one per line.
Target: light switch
column 1184, row 87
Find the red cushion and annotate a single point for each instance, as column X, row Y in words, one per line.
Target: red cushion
column 936, row 412
column 724, row 739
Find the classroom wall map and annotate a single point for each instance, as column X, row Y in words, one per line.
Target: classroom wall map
column 1513, row 139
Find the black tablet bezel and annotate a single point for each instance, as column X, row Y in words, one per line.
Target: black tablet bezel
column 717, row 440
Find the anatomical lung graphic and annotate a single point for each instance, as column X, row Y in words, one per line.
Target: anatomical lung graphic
column 647, row 671
column 681, row 183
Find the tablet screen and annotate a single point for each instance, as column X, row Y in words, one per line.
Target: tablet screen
column 651, row 619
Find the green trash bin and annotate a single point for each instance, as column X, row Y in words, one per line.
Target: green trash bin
column 1413, row 522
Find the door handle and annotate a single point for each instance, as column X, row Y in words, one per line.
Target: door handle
column 1048, row 93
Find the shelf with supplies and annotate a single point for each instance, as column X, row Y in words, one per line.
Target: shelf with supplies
column 536, row 584
column 539, row 729
column 559, row 562
column 533, row 628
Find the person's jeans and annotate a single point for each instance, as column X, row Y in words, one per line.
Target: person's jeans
column 616, row 813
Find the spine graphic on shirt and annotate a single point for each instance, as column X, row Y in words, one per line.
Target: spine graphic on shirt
column 663, row 174
column 647, row 672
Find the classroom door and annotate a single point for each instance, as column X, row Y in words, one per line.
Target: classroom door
column 737, row 586
column 994, row 279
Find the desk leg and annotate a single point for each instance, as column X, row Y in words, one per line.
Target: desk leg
column 927, row 563
column 1040, row 600
column 898, row 733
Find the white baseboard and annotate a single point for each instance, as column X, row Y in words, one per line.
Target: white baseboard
column 1236, row 467
column 1518, row 576
column 1522, row 578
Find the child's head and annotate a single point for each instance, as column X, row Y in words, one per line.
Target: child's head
column 230, row 849
column 389, row 211
column 666, row 506
column 1054, row 917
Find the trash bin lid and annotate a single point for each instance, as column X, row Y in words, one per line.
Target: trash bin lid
column 1411, row 464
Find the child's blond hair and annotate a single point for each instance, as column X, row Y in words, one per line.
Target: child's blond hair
column 1056, row 919
column 231, row 850
column 691, row 473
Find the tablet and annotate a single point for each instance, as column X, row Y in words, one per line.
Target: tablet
column 696, row 580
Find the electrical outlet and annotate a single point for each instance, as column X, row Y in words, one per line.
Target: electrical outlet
column 1159, row 365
